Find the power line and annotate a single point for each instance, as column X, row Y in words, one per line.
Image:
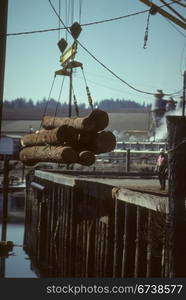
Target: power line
column 86, row 24
column 174, row 11
column 118, row 77
column 103, row 65
column 182, row 59
column 59, row 9
column 174, row 26
column 80, row 9
column 180, row 3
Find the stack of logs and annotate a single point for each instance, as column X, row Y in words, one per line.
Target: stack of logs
column 68, row 140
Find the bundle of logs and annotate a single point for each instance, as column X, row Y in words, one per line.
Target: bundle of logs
column 68, row 140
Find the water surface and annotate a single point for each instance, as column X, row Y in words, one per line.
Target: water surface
column 17, row 264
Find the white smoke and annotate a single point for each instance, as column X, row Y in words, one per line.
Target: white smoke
column 119, row 135
column 161, row 131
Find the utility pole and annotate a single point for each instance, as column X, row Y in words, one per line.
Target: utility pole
column 3, row 31
column 176, row 126
column 184, row 88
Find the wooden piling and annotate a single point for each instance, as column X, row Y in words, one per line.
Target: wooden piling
column 149, row 244
column 137, row 252
column 128, row 257
column 128, row 160
column 78, row 226
column 5, row 198
column 176, row 126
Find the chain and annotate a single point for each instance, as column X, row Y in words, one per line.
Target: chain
column 146, row 31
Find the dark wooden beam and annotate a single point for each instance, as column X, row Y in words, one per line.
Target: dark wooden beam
column 164, row 13
column 3, row 31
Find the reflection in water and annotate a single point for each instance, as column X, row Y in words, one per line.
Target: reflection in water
column 16, row 265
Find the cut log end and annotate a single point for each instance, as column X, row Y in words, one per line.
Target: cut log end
column 69, row 155
column 96, row 121
column 86, row 158
column 67, row 134
column 105, row 142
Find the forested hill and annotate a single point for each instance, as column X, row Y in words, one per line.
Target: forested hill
column 21, row 108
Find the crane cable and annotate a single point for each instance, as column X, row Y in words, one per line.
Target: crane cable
column 48, row 99
column 59, row 12
column 80, row 10
column 45, row 110
column 59, row 97
column 87, row 89
column 74, row 96
column 75, row 102
column 103, row 65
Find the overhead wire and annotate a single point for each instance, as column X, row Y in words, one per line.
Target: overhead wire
column 72, row 11
column 181, row 59
column 59, row 11
column 80, row 10
column 118, row 77
column 67, row 19
column 49, row 96
column 176, row 28
column 103, row 65
column 66, row 13
column 180, row 3
column 174, row 11
column 86, row 24
column 59, row 97
column 75, row 102
column 45, row 110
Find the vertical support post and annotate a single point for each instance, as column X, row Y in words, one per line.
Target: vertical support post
column 70, row 105
column 149, row 245
column 124, row 260
column 128, row 160
column 149, row 126
column 177, row 192
column 137, row 252
column 5, row 212
column 5, row 199
column 2, row 266
column 115, row 237
column 3, row 30
column 23, row 173
column 184, row 88
column 70, row 96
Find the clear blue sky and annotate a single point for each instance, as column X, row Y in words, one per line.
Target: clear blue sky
column 32, row 59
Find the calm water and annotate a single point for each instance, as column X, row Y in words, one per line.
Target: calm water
column 17, row 265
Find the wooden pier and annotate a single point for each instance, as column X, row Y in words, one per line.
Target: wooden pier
column 81, row 226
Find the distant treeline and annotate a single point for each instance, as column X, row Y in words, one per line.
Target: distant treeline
column 21, row 108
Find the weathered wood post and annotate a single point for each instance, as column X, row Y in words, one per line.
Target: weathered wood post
column 5, row 198
column 3, row 30
column 128, row 160
column 176, row 126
